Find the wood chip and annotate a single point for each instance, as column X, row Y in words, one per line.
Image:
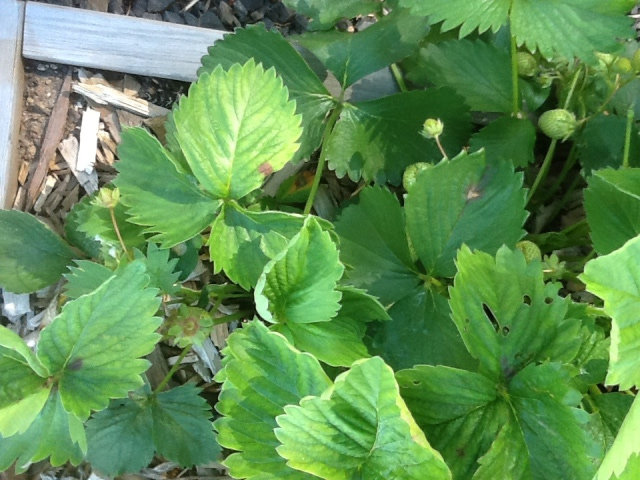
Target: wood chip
column 69, row 151
column 88, row 141
column 48, row 188
column 52, row 137
column 106, row 95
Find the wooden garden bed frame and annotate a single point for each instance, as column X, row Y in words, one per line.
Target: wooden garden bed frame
column 83, row 38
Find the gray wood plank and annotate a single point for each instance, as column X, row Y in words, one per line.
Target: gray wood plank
column 114, row 42
column 11, row 89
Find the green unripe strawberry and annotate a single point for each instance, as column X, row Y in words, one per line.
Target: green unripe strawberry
column 604, row 60
column 558, row 124
column 635, row 61
column 527, row 64
column 622, row 65
column 530, row 250
column 432, row 128
column 410, row 173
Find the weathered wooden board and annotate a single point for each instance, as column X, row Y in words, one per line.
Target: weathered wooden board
column 114, row 42
column 11, row 89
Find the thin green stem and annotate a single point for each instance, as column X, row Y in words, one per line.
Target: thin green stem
column 514, row 78
column 544, row 170
column 397, row 74
column 441, row 148
column 571, row 160
column 333, row 118
column 173, row 370
column 231, row 317
column 627, row 138
column 117, row 230
column 572, row 89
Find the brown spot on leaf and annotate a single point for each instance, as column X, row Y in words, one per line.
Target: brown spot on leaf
column 265, row 169
column 473, row 192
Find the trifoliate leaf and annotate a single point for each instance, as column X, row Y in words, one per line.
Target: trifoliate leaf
column 623, row 460
column 464, row 201
column 601, row 143
column 32, row 256
column 94, row 346
column 48, row 436
column 160, row 197
column 507, row 324
column 479, row 72
column 507, row 139
column 353, row 56
column 242, row 242
column 373, row 246
column 262, row 374
column 378, row 139
column 465, row 414
column 616, row 278
column 326, row 13
column 182, row 431
column 85, row 277
column 612, row 203
column 120, row 438
column 299, row 284
column 269, row 48
column 160, row 269
column 235, row 128
column 359, row 427
column 421, row 332
column 567, row 28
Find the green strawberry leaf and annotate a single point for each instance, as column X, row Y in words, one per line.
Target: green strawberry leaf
column 85, row 277
column 612, row 203
column 479, row 72
column 623, row 459
column 505, row 324
column 507, row 139
column 353, row 56
column 242, row 242
column 262, row 374
column 326, row 13
column 120, row 438
column 32, row 256
column 54, row 433
column 269, row 48
column 182, row 431
column 340, row 341
column 95, row 344
column 567, row 28
column 160, row 269
column 464, row 201
column 601, row 143
column 160, row 197
column 378, row 139
column 236, row 127
column 360, row 427
column 124, row 437
column 76, row 217
column 421, row 332
column 374, row 248
column 299, row 284
column 616, row 278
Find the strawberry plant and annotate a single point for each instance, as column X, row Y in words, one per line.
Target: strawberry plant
column 467, row 310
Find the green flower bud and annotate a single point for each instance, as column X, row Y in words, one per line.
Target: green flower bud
column 604, row 60
column 107, row 198
column 527, row 64
column 558, row 124
column 432, row 128
column 410, row 173
column 530, row 250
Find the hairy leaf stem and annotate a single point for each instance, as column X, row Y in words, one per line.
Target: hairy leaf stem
column 397, row 75
column 173, row 370
column 333, row 118
column 627, row 138
column 117, row 230
column 514, row 78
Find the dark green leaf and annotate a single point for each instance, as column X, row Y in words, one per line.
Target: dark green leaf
column 32, row 256
column 373, row 246
column 462, row 201
column 507, row 139
column 378, row 139
column 353, row 56
column 326, row 13
column 157, row 194
column 160, row 269
column 612, row 203
column 85, row 277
